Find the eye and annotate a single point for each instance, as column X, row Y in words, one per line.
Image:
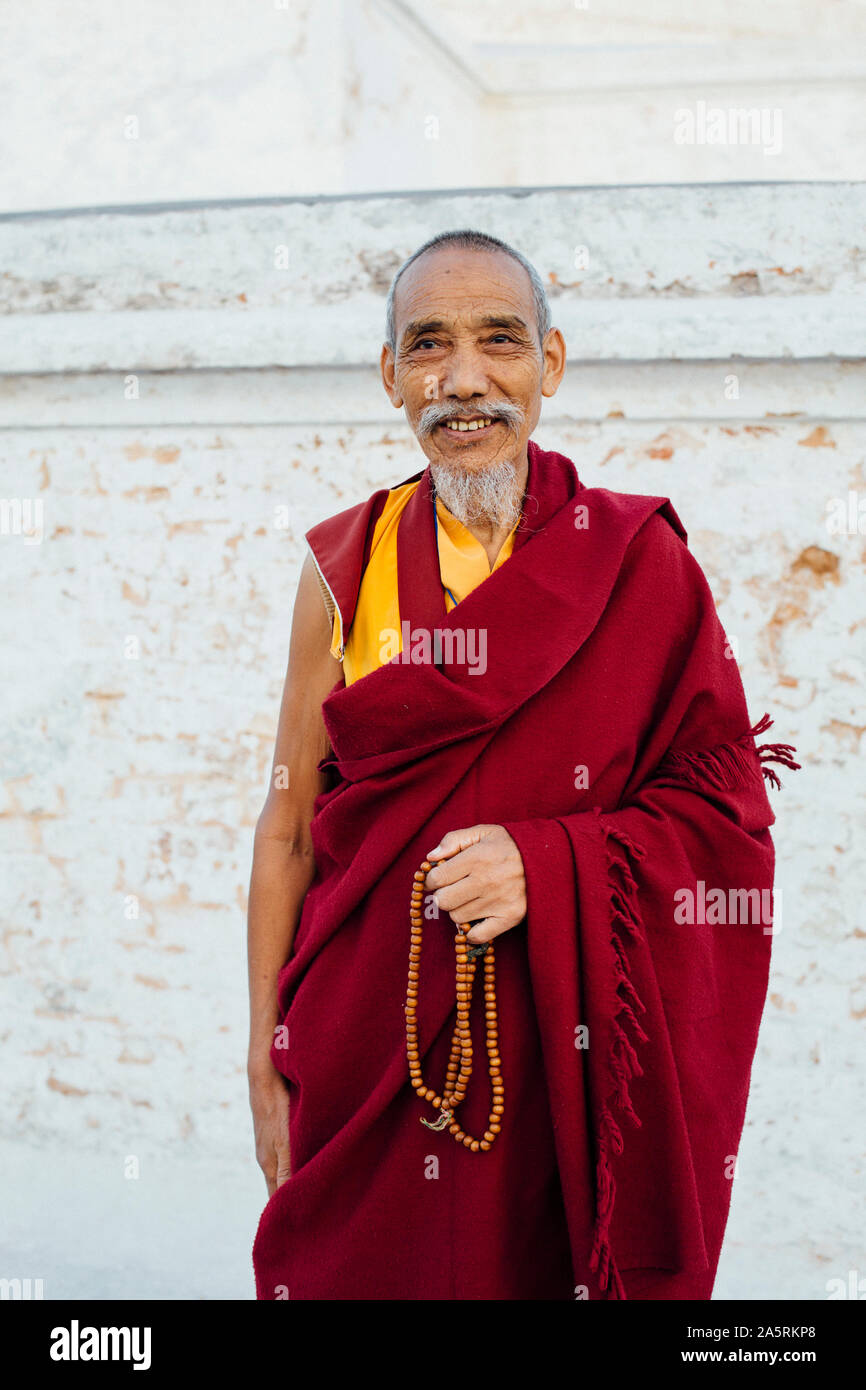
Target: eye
column 503, row 335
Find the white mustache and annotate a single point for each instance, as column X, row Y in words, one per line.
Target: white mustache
column 439, row 412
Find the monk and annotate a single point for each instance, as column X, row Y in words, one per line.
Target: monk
column 535, row 734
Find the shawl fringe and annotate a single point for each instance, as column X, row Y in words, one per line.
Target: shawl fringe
column 732, row 764
column 726, row 766
column 622, row 1059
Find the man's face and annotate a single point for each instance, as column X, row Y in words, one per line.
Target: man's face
column 467, row 352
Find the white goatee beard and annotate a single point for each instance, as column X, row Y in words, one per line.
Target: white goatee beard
column 490, row 494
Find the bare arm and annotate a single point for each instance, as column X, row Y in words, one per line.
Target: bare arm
column 283, row 864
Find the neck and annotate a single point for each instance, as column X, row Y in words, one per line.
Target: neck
column 486, row 500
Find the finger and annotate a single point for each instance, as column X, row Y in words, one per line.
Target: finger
column 456, row 840
column 487, row 930
column 456, row 896
column 449, row 872
column 472, row 910
column 458, row 866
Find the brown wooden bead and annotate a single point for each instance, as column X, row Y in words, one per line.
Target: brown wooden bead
column 459, row 1070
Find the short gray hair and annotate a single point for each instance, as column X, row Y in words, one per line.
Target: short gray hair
column 473, row 241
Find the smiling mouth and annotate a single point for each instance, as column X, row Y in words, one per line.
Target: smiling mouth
column 475, row 426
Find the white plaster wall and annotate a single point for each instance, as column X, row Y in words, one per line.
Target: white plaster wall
column 115, row 101
column 133, row 773
column 120, row 102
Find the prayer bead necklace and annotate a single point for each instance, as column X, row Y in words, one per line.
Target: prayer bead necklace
column 460, row 1062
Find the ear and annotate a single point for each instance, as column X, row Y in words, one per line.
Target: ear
column 386, row 365
column 554, row 362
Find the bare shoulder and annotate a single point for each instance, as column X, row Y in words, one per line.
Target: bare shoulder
column 311, row 624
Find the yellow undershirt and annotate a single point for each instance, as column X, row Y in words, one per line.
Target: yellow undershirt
column 375, row 636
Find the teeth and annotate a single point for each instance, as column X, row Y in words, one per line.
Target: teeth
column 464, row 425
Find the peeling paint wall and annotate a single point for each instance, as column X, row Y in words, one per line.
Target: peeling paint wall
column 147, row 634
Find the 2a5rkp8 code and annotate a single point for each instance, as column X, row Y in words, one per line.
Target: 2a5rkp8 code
column 785, row 1331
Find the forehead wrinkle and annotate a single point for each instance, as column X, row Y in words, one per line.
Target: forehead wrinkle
column 500, row 287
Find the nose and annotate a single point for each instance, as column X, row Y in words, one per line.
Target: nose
column 465, row 373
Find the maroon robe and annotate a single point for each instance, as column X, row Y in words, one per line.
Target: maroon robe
column 626, row 1033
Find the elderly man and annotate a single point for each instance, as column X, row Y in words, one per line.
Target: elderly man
column 537, row 743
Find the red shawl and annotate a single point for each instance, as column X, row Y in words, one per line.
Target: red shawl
column 645, row 983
